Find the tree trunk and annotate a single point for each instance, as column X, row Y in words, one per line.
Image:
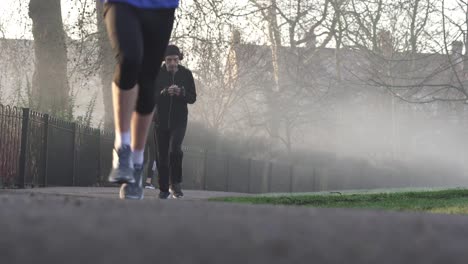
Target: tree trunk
column 106, row 68
column 413, row 34
column 465, row 57
column 275, row 39
column 50, row 80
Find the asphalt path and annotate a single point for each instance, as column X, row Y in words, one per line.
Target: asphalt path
column 90, row 225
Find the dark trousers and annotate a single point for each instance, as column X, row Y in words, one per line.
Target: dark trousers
column 152, row 153
column 139, row 38
column 170, row 155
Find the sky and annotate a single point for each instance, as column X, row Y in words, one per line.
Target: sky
column 15, row 23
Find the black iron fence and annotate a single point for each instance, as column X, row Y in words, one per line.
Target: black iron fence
column 38, row 150
column 219, row 172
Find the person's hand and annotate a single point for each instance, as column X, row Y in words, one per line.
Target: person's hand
column 177, row 90
column 171, row 90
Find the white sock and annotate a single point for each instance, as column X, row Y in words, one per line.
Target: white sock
column 122, row 139
column 138, row 156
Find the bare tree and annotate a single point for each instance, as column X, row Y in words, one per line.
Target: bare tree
column 302, row 22
column 367, row 23
column 50, row 84
column 106, row 60
column 207, row 46
column 419, row 14
column 421, row 81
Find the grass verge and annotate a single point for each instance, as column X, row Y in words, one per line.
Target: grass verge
column 444, row 201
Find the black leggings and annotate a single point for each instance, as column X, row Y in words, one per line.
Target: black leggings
column 170, row 155
column 139, row 38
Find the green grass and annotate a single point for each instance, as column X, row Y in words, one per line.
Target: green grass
column 453, row 201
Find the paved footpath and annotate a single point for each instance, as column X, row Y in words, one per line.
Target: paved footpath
column 89, row 225
column 113, row 193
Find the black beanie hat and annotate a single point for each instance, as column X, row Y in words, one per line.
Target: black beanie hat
column 173, row 50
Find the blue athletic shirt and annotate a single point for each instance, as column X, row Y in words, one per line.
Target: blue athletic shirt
column 150, row 4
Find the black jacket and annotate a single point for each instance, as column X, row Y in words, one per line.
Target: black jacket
column 171, row 111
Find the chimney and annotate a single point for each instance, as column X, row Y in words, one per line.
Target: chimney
column 457, row 48
column 386, row 43
column 236, row 37
column 311, row 42
column 457, row 54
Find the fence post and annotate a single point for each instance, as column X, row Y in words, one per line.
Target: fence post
column 45, row 152
column 98, row 134
column 314, row 180
column 23, row 148
column 291, row 178
column 227, row 174
column 205, row 169
column 100, row 156
column 102, row 138
column 269, row 175
column 74, row 151
column 249, row 175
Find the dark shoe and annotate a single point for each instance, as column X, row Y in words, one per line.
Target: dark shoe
column 164, row 195
column 176, row 191
column 122, row 167
column 149, row 186
column 133, row 191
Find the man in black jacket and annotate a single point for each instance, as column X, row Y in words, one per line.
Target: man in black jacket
column 175, row 89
